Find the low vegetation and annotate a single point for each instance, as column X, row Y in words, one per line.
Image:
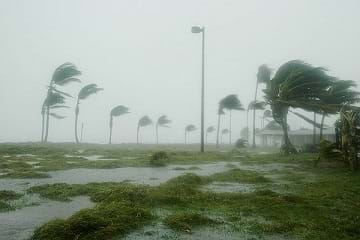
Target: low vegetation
column 5, row 197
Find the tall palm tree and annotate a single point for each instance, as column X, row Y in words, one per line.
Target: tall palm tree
column 143, row 122
column 263, row 76
column 163, row 121
column 296, row 84
column 63, row 75
column 224, row 132
column 220, row 112
column 116, row 112
column 189, row 128
column 209, row 130
column 231, row 102
column 84, row 93
column 254, row 105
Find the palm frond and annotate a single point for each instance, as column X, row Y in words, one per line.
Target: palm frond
column 54, row 98
column 145, row 121
column 54, row 115
column 225, row 131
column 230, row 102
column 264, row 74
column 210, row 129
column 163, row 121
column 61, row 92
column 190, row 128
column 88, row 90
column 257, row 105
column 65, row 74
column 119, row 110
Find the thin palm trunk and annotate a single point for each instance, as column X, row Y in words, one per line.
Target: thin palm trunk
column 247, row 126
column 314, row 130
column 254, row 112
column 157, row 134
column 82, row 130
column 47, row 124
column 76, row 121
column 221, row 139
column 230, row 129
column 218, row 131
column 322, row 126
column 288, row 147
column 185, row 137
column 42, row 126
column 110, row 126
column 137, row 135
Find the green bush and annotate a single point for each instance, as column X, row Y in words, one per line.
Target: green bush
column 159, row 159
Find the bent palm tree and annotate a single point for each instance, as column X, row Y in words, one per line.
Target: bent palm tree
column 220, row 112
column 63, row 75
column 254, row 105
column 143, row 122
column 209, row 130
column 224, row 132
column 231, row 102
column 163, row 121
column 84, row 93
column 189, row 128
column 296, row 84
column 116, row 112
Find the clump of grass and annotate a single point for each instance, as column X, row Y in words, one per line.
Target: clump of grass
column 102, row 222
column 6, row 195
column 25, row 174
column 186, row 221
column 179, row 169
column 239, row 176
column 159, row 159
column 194, row 168
column 4, row 206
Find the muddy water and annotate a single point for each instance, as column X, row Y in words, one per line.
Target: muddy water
column 20, row 224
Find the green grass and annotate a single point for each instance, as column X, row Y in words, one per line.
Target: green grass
column 5, row 197
column 239, row 176
column 186, row 221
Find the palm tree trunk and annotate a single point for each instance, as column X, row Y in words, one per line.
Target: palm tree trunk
column 47, row 123
column 221, row 139
column 137, row 135
column 314, row 129
column 185, row 137
column 206, row 137
column 254, row 112
column 247, row 126
column 230, row 129
column 42, row 126
column 218, row 131
column 110, row 126
column 157, row 134
column 322, row 126
column 76, row 121
column 288, row 147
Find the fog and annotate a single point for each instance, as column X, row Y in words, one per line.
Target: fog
column 145, row 57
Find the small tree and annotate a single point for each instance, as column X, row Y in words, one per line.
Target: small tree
column 143, row 122
column 84, row 93
column 189, row 128
column 163, row 121
column 116, row 112
column 209, row 130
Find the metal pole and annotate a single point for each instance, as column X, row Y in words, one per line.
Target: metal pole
column 202, row 90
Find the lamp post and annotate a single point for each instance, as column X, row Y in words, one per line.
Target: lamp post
column 197, row 29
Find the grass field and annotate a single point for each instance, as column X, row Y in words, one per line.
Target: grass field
column 256, row 196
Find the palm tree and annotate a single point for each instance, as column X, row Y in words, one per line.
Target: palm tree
column 230, row 102
column 63, row 75
column 84, row 93
column 143, row 122
column 266, row 114
column 296, row 84
column 209, row 130
column 189, row 128
column 254, row 105
column 116, row 112
column 220, row 112
column 224, row 132
column 163, row 121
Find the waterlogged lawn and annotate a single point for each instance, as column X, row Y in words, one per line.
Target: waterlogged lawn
column 288, row 197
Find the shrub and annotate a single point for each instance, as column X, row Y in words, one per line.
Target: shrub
column 159, row 159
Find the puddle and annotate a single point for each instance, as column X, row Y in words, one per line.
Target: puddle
column 25, row 155
column 140, row 175
column 91, row 157
column 221, row 187
column 20, row 224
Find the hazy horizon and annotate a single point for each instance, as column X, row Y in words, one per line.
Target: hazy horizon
column 145, row 57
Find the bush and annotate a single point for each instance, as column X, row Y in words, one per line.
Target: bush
column 186, row 221
column 159, row 159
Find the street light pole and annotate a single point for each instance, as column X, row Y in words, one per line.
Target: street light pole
column 197, row 29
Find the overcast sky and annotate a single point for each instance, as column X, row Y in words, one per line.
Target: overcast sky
column 145, row 57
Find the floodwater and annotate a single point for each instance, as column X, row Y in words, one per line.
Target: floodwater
column 20, row 224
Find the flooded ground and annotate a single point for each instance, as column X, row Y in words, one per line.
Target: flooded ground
column 20, row 224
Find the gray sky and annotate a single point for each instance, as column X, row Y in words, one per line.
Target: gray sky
column 143, row 54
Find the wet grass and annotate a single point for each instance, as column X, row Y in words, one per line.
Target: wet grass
column 187, row 221
column 239, row 176
column 5, row 197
